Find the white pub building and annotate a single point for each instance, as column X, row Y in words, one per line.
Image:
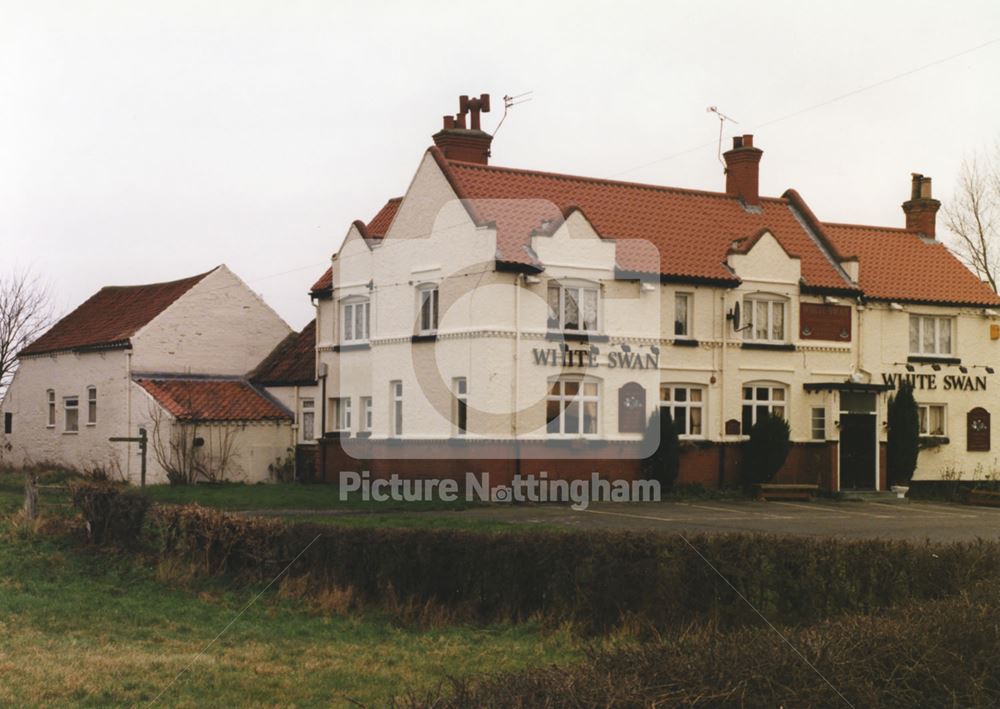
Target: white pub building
column 514, row 321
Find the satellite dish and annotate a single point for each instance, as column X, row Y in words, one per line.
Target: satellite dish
column 734, row 315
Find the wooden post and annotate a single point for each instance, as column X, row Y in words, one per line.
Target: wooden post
column 30, row 496
column 142, row 440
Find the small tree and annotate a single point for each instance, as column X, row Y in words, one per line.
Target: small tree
column 903, row 446
column 663, row 463
column 766, row 450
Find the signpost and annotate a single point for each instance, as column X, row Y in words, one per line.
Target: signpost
column 141, row 440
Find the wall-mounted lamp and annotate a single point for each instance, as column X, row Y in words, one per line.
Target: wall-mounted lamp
column 936, row 367
column 654, row 349
column 830, row 300
column 648, row 287
column 963, row 369
column 532, row 280
column 990, row 312
column 989, row 370
column 626, row 347
column 910, row 368
column 895, row 306
column 594, row 350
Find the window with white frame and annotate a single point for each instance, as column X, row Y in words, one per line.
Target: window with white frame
column 932, row 419
column 396, row 401
column 355, row 320
column 682, row 314
column 686, row 406
column 51, row 398
column 91, row 405
column 817, row 421
column 308, row 419
column 71, row 414
column 460, row 406
column 759, row 400
column 366, row 414
column 571, row 407
column 931, row 335
column 573, row 307
column 342, row 413
column 427, row 298
column 765, row 317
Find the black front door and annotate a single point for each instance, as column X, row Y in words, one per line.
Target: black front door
column 857, row 451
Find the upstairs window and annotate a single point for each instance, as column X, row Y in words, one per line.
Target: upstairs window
column 931, row 335
column 765, row 318
column 366, row 414
column 51, row 397
column 682, row 314
column 396, row 400
column 91, row 406
column 355, row 319
column 71, row 411
column 428, row 301
column 573, row 308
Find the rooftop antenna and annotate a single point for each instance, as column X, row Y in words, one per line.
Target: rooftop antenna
column 722, row 121
column 508, row 103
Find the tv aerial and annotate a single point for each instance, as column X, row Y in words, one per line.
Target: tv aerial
column 508, row 103
column 722, row 121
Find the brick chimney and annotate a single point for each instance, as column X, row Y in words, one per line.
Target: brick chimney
column 921, row 209
column 742, row 170
column 470, row 144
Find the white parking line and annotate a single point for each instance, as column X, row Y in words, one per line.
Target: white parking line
column 923, row 510
column 839, row 510
column 968, row 509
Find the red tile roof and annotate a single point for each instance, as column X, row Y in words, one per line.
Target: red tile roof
column 110, row 317
column 375, row 229
column 213, row 400
column 896, row 264
column 291, row 363
column 692, row 230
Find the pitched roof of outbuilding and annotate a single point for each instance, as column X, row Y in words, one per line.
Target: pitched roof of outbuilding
column 692, row 230
column 896, row 264
column 110, row 317
column 213, row 400
column 291, row 363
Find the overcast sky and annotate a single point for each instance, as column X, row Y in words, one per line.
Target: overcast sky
column 142, row 142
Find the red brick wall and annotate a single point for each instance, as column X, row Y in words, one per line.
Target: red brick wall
column 711, row 465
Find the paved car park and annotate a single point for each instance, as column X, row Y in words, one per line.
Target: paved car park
column 914, row 521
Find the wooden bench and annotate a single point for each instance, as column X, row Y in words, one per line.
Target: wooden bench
column 774, row 491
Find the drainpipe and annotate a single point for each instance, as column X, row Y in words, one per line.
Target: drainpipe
column 722, row 393
column 518, row 283
column 128, row 413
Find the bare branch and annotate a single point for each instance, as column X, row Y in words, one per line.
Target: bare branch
column 973, row 216
column 25, row 313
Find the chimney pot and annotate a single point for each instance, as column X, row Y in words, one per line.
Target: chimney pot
column 743, row 170
column 470, row 144
column 921, row 209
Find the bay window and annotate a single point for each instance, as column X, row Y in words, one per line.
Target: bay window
column 571, row 407
column 759, row 400
column 686, row 406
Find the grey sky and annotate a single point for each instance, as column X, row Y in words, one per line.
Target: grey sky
column 149, row 141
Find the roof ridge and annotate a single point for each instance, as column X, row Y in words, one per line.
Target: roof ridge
column 174, row 282
column 605, row 181
column 847, row 225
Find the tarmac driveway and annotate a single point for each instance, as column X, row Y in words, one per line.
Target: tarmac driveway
column 914, row 521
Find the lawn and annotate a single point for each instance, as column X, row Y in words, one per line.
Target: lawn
column 84, row 628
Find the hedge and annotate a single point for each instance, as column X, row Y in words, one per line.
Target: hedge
column 929, row 654
column 596, row 579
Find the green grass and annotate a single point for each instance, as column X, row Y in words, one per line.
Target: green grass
column 87, row 628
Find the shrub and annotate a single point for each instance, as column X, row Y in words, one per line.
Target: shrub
column 664, row 462
column 113, row 513
column 596, row 580
column 939, row 653
column 766, row 450
column 903, row 444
